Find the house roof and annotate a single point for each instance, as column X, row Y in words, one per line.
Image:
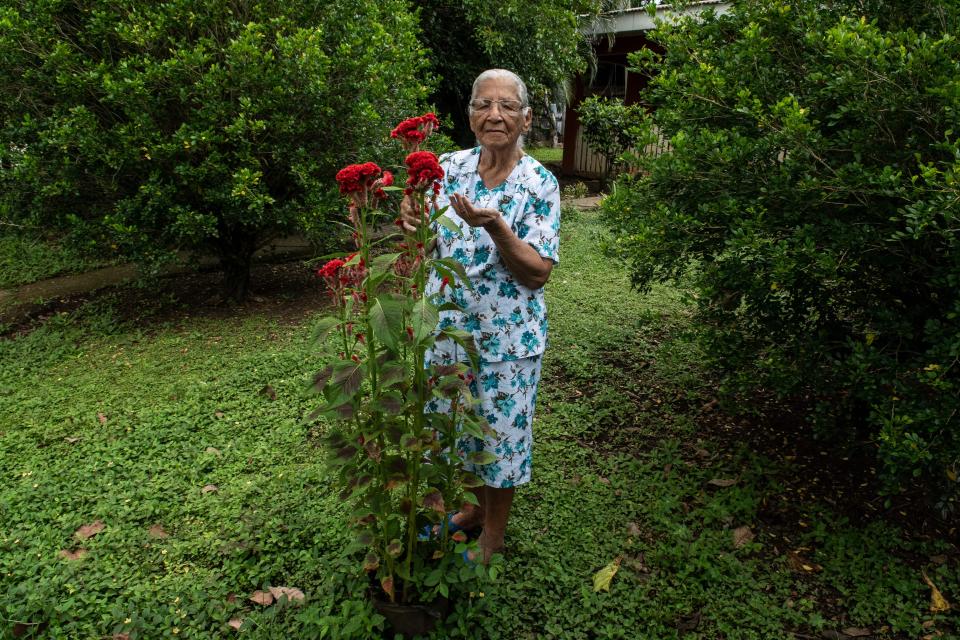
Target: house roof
column 638, row 20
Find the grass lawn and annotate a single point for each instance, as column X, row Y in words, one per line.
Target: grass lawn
column 26, row 258
column 546, row 154
column 184, row 439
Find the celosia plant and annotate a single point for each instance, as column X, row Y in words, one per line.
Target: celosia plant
column 399, row 465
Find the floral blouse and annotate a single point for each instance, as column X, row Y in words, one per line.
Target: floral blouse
column 507, row 319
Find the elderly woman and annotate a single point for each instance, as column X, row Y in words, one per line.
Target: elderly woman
column 508, row 209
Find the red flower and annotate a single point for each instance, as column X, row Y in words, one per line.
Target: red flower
column 412, row 131
column 356, row 178
column 330, row 269
column 444, row 283
column 424, row 170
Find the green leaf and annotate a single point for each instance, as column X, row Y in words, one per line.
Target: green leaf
column 385, row 261
column 471, row 497
column 457, row 268
column 386, row 320
column 482, row 457
column 425, row 318
column 465, row 340
column 324, row 326
column 449, row 224
column 471, row 481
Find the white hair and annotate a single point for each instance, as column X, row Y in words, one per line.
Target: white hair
column 495, row 74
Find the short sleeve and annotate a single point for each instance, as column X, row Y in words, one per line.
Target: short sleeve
column 540, row 225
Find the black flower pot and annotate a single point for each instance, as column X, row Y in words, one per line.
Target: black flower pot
column 411, row 620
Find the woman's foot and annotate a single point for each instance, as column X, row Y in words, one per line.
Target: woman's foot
column 468, row 519
column 488, row 548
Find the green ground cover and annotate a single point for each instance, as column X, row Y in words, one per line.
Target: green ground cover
column 26, row 258
column 546, row 154
column 105, row 420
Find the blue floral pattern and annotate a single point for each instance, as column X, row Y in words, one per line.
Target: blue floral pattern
column 508, row 320
column 506, row 395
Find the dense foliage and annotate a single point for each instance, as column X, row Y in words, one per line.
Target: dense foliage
column 540, row 40
column 812, row 193
column 193, row 124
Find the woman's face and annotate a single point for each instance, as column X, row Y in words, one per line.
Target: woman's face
column 495, row 126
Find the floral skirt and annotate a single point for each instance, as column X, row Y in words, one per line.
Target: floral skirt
column 506, row 393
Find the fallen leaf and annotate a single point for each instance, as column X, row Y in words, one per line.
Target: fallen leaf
column 156, row 531
column 235, row 623
column 219, row 414
column 710, row 406
column 102, row 418
column 690, row 622
column 72, row 439
column 293, row 594
column 90, row 530
column 633, row 529
column 231, row 597
column 800, row 564
column 856, row 632
column 66, row 554
column 927, row 624
column 262, row 597
column 722, row 482
column 938, row 604
column 213, row 451
column 702, row 453
column 269, row 392
column 121, row 636
column 210, row 488
column 605, row 481
column 742, row 536
column 941, row 559
column 602, row 579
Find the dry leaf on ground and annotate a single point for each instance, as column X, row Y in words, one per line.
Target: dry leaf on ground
column 210, row 488
column 803, row 565
column 121, row 636
column 293, row 594
column 856, row 632
column 90, row 530
column 236, row 623
column 742, row 536
column 269, row 392
column 603, row 578
column 102, row 418
column 76, row 554
column 938, row 604
column 633, row 529
column 262, row 597
column 156, row 531
column 213, row 451
column 722, row 482
column 72, row 439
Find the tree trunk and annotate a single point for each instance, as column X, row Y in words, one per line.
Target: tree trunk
column 236, row 254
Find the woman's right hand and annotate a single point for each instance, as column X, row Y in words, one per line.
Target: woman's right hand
column 410, row 215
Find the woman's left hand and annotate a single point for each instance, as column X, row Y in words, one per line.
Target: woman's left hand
column 474, row 216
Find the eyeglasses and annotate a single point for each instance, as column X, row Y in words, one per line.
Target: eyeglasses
column 511, row 107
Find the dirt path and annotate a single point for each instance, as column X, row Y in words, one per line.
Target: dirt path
column 22, row 302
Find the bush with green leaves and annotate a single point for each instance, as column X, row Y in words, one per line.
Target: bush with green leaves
column 812, row 192
column 142, row 128
column 610, row 128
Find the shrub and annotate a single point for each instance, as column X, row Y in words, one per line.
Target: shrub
column 610, row 128
column 194, row 125
column 812, row 190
